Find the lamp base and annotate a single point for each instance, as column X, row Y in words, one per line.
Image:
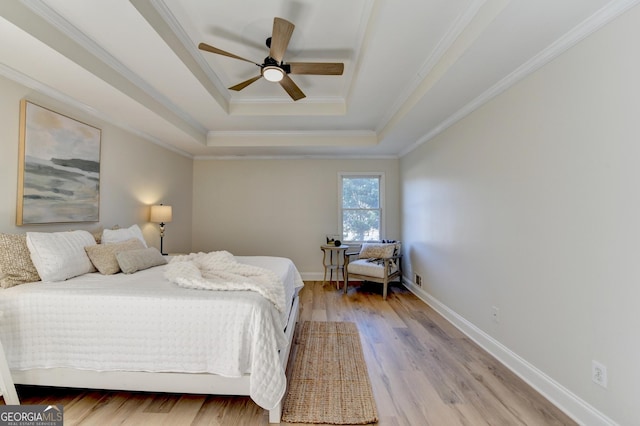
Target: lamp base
column 161, row 250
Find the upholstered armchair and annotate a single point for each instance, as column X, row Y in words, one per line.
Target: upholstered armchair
column 376, row 262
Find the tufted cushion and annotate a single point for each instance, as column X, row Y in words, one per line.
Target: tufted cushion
column 16, row 266
column 123, row 234
column 136, row 260
column 103, row 256
column 58, row 256
column 376, row 250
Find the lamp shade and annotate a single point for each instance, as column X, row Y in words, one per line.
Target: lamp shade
column 161, row 214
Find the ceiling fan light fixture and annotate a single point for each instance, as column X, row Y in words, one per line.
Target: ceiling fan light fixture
column 274, row 69
column 272, row 73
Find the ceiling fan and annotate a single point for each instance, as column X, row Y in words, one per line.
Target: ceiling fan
column 274, row 68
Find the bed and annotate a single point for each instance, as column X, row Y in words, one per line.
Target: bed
column 141, row 332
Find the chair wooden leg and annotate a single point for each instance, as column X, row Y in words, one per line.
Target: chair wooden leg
column 346, row 281
column 384, row 289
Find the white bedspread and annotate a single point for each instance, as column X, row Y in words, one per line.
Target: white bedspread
column 142, row 322
column 219, row 270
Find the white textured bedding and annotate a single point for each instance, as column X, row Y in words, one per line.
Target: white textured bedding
column 142, row 322
column 220, row 271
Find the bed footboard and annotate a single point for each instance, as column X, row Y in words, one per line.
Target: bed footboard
column 276, row 413
column 194, row 383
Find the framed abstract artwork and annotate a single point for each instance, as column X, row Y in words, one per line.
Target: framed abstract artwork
column 59, row 168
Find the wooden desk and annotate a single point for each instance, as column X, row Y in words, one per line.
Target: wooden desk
column 333, row 260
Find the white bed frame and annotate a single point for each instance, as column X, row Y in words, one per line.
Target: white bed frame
column 193, row 383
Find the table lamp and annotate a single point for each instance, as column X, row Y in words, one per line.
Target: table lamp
column 161, row 214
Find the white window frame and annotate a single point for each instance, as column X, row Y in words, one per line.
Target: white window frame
column 381, row 207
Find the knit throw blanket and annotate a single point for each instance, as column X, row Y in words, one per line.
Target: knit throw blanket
column 219, row 270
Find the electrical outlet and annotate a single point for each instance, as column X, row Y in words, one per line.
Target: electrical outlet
column 418, row 280
column 495, row 314
column 599, row 373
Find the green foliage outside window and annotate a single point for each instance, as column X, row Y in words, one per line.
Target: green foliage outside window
column 361, row 208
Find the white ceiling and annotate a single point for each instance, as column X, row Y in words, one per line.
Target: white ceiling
column 412, row 67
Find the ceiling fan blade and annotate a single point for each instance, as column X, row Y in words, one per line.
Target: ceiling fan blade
column 292, row 88
column 208, row 48
column 282, row 31
column 317, row 68
column 238, row 87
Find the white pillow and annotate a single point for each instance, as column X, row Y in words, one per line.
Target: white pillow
column 120, row 235
column 58, row 256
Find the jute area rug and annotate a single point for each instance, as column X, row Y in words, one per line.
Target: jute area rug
column 329, row 382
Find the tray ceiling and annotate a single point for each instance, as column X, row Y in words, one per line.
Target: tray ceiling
column 412, row 68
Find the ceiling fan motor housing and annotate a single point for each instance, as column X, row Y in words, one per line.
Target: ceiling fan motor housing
column 270, row 62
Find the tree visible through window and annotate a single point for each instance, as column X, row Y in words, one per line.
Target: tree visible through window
column 361, row 207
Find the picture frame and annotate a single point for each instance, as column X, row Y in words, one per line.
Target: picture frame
column 59, row 168
column 332, row 239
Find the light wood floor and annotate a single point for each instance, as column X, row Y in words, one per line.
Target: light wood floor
column 423, row 372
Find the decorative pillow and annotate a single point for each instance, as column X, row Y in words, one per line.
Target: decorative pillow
column 123, row 234
column 136, row 260
column 97, row 235
column 58, row 256
column 16, row 266
column 103, row 256
column 376, row 250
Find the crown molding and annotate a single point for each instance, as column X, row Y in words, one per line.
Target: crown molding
column 164, row 23
column 282, row 106
column 367, row 17
column 443, row 45
column 596, row 21
column 186, row 42
column 459, row 24
column 292, row 157
column 302, row 138
column 48, row 91
column 65, row 27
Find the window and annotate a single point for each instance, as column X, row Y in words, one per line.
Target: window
column 361, row 206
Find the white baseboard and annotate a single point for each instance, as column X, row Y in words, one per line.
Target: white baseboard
column 312, row 276
column 575, row 407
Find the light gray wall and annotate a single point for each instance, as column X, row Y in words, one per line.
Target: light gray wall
column 279, row 207
column 134, row 174
column 532, row 204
